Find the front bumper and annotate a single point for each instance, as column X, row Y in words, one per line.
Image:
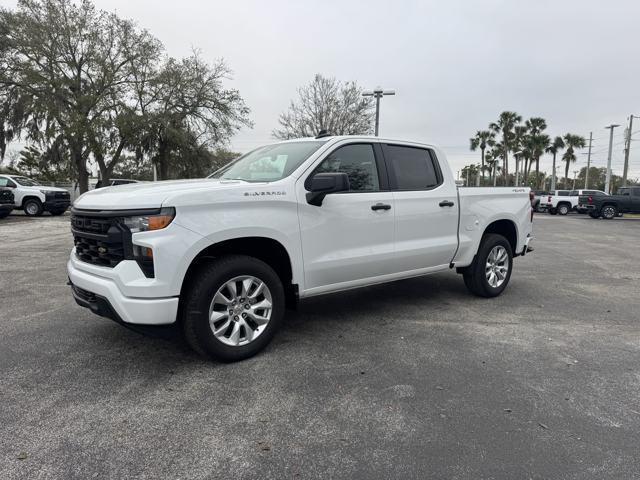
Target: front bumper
column 57, row 204
column 103, row 296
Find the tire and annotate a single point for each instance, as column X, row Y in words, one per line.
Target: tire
column 55, row 213
column 609, row 212
column 212, row 280
column 594, row 215
column 476, row 277
column 32, row 207
column 553, row 211
column 563, row 209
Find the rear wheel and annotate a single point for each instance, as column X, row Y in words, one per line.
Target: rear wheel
column 563, row 209
column 490, row 272
column 32, row 207
column 609, row 212
column 233, row 308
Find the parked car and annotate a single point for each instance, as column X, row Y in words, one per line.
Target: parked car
column 220, row 257
column 115, row 181
column 626, row 200
column 34, row 198
column 6, row 200
column 574, row 198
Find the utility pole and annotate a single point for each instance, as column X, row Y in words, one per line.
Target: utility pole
column 478, row 175
column 377, row 93
column 586, row 175
column 608, row 180
column 575, row 172
column 467, row 184
column 627, row 148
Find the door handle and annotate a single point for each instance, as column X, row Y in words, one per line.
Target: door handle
column 446, row 203
column 380, row 206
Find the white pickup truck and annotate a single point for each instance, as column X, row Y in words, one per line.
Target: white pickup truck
column 34, row 198
column 221, row 257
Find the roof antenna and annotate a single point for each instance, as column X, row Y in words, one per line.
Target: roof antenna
column 323, row 133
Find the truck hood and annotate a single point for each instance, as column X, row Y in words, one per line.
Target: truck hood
column 43, row 188
column 148, row 195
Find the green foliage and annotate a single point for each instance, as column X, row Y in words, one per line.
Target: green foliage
column 82, row 81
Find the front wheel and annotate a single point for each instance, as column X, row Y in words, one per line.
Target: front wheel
column 609, row 212
column 490, row 272
column 232, row 308
column 33, row 207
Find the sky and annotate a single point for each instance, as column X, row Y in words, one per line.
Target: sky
column 455, row 65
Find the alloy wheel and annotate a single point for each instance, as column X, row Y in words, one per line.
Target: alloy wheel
column 240, row 310
column 497, row 266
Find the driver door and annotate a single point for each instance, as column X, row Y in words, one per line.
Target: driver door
column 349, row 239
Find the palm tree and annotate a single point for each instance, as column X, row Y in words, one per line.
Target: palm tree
column 504, row 126
column 571, row 142
column 540, row 141
column 492, row 158
column 519, row 143
column 482, row 140
column 553, row 149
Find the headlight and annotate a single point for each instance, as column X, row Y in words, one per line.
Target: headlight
column 145, row 223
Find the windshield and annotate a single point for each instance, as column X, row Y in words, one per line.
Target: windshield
column 268, row 163
column 27, row 182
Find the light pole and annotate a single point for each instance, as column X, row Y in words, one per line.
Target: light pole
column 517, row 155
column 608, row 180
column 378, row 93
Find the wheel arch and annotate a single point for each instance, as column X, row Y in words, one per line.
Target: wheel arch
column 266, row 249
column 28, row 197
column 507, row 228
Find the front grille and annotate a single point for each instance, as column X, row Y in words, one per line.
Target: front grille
column 6, row 197
column 100, row 240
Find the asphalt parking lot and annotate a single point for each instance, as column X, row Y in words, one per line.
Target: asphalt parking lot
column 415, row 379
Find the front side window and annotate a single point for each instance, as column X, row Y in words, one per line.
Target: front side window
column 358, row 162
column 268, row 163
column 414, row 167
column 624, row 191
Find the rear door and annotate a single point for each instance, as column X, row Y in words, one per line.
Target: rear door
column 635, row 195
column 349, row 238
column 426, row 208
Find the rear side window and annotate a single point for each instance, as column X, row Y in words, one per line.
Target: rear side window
column 573, row 193
column 562, row 193
column 414, row 168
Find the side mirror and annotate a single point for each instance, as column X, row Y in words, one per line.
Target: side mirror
column 323, row 183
